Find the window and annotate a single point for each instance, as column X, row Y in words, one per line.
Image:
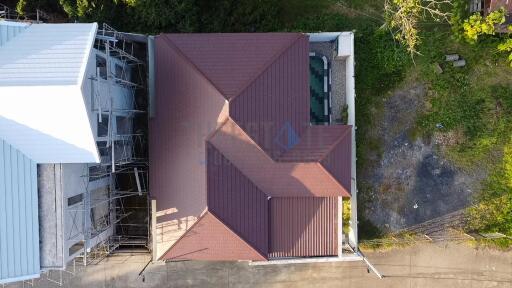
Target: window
column 75, row 199
column 103, row 126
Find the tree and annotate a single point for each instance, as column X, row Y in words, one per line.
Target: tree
column 403, row 18
column 477, row 25
column 507, row 48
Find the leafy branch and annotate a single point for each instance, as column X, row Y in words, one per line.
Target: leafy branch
column 403, row 18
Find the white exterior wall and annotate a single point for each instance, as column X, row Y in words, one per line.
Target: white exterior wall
column 346, row 49
column 43, row 113
column 345, row 43
column 19, row 230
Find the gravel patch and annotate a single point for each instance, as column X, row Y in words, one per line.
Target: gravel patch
column 412, row 182
column 338, row 78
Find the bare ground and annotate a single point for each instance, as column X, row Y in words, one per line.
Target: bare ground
column 409, row 181
column 440, row 265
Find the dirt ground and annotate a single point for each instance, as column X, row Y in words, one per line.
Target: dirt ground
column 409, row 180
column 426, row 265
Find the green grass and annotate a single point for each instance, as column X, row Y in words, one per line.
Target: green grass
column 475, row 104
column 499, row 244
column 381, row 66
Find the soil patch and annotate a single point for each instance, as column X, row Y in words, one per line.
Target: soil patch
column 411, row 182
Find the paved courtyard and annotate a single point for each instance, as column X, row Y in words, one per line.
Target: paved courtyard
column 425, row 265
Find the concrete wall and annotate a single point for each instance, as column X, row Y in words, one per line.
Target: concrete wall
column 51, row 214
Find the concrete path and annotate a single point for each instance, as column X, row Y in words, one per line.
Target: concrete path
column 426, row 265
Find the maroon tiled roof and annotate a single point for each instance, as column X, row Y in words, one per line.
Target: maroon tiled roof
column 232, row 60
column 235, row 200
column 210, row 239
column 303, row 226
column 276, row 103
column 188, row 109
column 231, row 134
column 276, row 179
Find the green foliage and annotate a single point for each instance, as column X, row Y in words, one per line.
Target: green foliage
column 460, row 12
column 28, row 7
column 476, row 100
column 403, row 18
column 477, row 25
column 346, row 215
column 149, row 16
column 69, row 7
column 493, row 211
column 506, row 46
column 21, row 7
column 385, row 64
column 239, row 15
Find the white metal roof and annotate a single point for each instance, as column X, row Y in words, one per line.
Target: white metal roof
column 47, row 54
column 19, row 231
column 9, row 30
column 43, row 112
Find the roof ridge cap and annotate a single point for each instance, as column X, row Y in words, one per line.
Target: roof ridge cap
column 267, row 65
column 332, row 177
column 203, row 214
column 173, row 46
column 342, row 136
column 233, row 163
column 237, row 235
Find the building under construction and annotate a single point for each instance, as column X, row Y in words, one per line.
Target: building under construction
column 104, row 204
column 73, row 130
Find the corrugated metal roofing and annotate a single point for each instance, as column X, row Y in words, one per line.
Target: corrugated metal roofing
column 236, row 201
column 19, row 230
column 47, row 54
column 261, row 135
column 187, row 109
column 315, row 143
column 276, row 179
column 303, row 226
column 42, row 71
column 339, row 160
column 276, row 104
column 9, row 30
column 210, row 239
column 232, row 60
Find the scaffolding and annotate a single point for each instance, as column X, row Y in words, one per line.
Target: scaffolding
column 113, row 212
column 7, row 13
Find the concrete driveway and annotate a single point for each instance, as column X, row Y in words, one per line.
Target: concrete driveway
column 426, row 265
